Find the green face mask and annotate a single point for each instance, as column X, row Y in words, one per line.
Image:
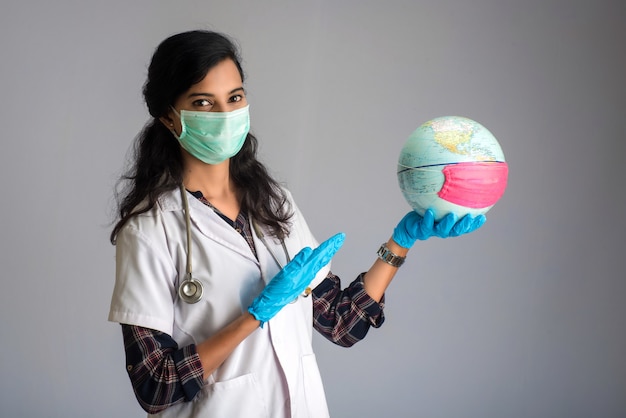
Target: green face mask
column 213, row 137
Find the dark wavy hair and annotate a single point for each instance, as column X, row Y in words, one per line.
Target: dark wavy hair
column 179, row 62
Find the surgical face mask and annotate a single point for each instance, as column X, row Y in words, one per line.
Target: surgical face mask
column 213, row 137
column 474, row 184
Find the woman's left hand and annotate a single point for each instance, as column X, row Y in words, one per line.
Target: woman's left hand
column 415, row 227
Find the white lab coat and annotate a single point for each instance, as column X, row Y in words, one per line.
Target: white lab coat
column 273, row 372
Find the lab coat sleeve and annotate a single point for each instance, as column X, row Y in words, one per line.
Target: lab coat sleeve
column 145, row 282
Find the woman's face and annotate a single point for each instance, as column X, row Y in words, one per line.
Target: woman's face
column 221, row 90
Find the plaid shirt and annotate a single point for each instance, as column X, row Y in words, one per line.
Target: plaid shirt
column 163, row 374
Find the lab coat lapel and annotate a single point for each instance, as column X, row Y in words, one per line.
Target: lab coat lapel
column 269, row 267
column 209, row 223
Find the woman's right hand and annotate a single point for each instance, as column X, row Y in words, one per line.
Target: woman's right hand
column 294, row 278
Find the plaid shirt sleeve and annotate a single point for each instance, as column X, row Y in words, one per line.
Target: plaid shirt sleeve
column 345, row 316
column 161, row 374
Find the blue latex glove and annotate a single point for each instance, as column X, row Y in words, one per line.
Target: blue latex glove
column 415, row 227
column 294, row 278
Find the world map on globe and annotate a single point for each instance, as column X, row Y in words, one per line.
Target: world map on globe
column 440, row 148
column 451, row 139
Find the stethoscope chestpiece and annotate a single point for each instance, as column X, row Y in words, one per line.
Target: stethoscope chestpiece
column 190, row 290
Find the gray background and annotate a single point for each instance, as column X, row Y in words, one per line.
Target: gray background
column 524, row 318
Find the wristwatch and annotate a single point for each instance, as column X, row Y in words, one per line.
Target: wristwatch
column 388, row 257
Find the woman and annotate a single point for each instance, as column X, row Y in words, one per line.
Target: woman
column 240, row 345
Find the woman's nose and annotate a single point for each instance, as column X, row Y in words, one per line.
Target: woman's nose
column 217, row 107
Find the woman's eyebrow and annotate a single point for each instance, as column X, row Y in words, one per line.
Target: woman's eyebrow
column 212, row 95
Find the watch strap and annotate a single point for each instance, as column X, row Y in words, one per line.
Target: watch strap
column 389, row 257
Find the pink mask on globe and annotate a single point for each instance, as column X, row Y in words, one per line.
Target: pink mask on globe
column 474, row 184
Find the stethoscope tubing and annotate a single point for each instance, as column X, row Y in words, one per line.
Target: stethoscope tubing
column 191, row 290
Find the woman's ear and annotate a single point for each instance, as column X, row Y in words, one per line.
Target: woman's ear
column 168, row 121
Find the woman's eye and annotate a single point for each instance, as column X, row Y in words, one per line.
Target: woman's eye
column 236, row 98
column 203, row 103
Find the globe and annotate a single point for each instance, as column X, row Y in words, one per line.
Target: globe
column 452, row 164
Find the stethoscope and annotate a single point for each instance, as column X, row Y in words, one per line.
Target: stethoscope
column 190, row 289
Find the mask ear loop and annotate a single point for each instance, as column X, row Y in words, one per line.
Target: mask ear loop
column 190, row 290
